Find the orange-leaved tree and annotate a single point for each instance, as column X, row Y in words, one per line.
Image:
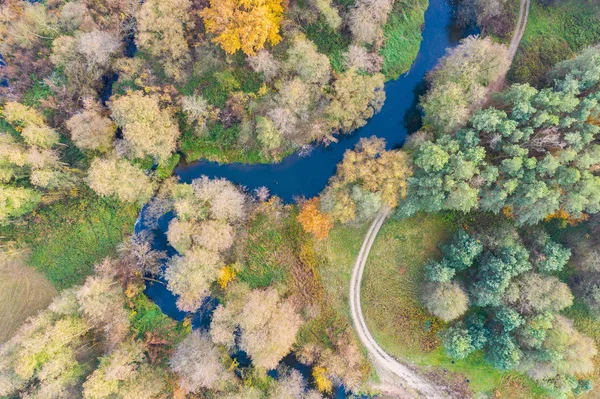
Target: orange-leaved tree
column 243, row 24
column 313, row 220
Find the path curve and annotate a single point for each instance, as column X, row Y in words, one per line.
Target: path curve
column 379, row 357
column 382, row 360
column 518, row 33
column 519, row 29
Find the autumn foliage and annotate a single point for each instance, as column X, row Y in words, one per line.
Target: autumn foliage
column 313, row 220
column 243, row 24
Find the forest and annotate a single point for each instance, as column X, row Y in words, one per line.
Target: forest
column 457, row 236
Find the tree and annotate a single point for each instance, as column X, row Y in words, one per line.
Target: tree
column 244, row 25
column 40, row 360
column 448, row 301
column 459, row 81
column 535, row 293
column 329, row 12
column 17, row 201
column 588, row 290
column 84, row 58
column 101, row 303
column 354, row 99
column 137, row 258
column 304, row 60
column 214, row 235
column 457, row 342
column 267, row 325
column 91, row 131
column 225, row 201
column 190, row 276
column 146, row 128
column 366, row 19
column 162, row 27
column 358, row 58
column 118, row 178
column 502, row 352
column 197, row 363
column 565, row 351
column 267, row 134
column 264, row 62
column 369, row 168
column 198, row 110
column 314, row 221
column 291, row 385
column 114, row 370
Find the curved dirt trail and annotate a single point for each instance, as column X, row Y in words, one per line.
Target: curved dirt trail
column 512, row 47
column 389, row 368
column 519, row 29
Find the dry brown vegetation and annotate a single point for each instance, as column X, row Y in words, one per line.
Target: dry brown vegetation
column 23, row 292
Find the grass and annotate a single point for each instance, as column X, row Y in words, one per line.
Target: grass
column 69, row 236
column 341, row 249
column 23, row 293
column 553, row 34
column 403, row 37
column 146, row 318
column 331, row 42
column 263, row 244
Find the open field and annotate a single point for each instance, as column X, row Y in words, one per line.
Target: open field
column 68, row 236
column 554, row 33
column 23, row 292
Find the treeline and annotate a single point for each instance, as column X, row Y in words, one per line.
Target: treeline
column 233, row 81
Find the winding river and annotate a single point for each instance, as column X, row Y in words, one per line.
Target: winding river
column 306, row 176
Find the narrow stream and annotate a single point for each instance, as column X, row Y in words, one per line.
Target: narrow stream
column 307, row 176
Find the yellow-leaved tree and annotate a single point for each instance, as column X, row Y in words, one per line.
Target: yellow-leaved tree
column 243, row 24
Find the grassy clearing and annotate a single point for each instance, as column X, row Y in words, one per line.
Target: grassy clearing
column 23, row 293
column 402, row 37
column 391, row 288
column 68, row 236
column 553, row 34
column 340, row 249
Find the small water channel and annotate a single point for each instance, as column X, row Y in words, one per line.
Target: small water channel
column 307, row 176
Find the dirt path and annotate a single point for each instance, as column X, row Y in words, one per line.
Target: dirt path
column 393, row 374
column 519, row 29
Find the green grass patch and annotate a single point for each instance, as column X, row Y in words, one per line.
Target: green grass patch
column 216, row 86
column 403, row 37
column 69, row 236
column 146, row 317
column 219, row 144
column 330, row 42
column 553, row 34
column 262, row 266
column 341, row 249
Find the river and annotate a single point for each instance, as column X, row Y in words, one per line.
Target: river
column 307, row 176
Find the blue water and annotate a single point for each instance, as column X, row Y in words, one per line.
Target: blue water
column 308, row 176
